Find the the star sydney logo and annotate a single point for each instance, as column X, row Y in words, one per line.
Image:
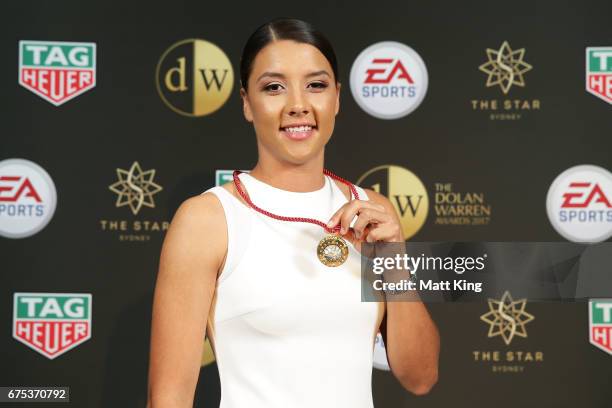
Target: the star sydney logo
column 505, row 67
column 507, row 318
column 135, row 188
column 57, row 71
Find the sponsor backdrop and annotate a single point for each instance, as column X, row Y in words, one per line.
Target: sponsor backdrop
column 480, row 122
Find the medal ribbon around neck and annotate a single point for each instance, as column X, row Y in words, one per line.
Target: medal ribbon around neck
column 332, row 249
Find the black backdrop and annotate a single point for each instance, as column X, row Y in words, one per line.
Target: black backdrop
column 122, row 120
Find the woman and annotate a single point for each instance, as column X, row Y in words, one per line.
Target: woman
column 287, row 330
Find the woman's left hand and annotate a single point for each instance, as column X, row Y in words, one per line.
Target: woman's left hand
column 375, row 222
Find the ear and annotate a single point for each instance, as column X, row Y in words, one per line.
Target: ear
column 337, row 97
column 246, row 107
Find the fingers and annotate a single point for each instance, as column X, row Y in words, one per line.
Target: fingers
column 333, row 221
column 373, row 222
column 347, row 212
column 388, row 232
column 369, row 216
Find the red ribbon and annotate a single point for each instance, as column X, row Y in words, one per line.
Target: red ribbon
column 246, row 198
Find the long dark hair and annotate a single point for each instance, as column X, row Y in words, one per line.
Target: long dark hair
column 284, row 29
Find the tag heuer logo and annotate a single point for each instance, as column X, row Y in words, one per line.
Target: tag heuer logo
column 57, row 71
column 52, row 323
column 225, row 176
column 599, row 72
column 600, row 324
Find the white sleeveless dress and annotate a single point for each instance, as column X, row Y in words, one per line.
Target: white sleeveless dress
column 288, row 331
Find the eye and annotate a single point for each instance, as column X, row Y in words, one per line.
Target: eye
column 273, row 87
column 318, row 85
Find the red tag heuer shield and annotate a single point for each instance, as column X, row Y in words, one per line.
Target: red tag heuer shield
column 52, row 323
column 57, row 71
column 600, row 324
column 599, row 72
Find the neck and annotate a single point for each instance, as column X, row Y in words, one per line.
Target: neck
column 299, row 178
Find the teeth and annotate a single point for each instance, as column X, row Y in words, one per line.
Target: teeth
column 298, row 129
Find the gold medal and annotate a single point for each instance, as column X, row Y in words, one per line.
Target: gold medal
column 332, row 250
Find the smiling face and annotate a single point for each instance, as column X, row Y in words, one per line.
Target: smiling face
column 292, row 101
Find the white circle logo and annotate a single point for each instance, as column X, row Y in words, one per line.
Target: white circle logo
column 389, row 80
column 579, row 204
column 27, row 198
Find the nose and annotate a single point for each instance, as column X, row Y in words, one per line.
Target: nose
column 297, row 105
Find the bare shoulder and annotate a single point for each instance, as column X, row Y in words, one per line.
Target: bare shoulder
column 198, row 232
column 199, row 211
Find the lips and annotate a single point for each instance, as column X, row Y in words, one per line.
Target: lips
column 298, row 132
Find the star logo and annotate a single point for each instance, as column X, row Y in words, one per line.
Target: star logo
column 507, row 318
column 505, row 67
column 135, row 188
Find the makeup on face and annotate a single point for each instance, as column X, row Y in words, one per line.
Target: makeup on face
column 293, row 105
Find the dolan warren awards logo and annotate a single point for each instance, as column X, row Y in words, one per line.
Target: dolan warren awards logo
column 194, row 77
column 52, row 323
column 406, row 192
column 57, row 71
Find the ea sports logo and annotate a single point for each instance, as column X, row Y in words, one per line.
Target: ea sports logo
column 389, row 80
column 27, row 198
column 194, row 77
column 579, row 204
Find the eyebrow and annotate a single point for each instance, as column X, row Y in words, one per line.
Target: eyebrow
column 279, row 75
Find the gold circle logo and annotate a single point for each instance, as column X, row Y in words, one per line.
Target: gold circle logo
column 194, row 77
column 405, row 191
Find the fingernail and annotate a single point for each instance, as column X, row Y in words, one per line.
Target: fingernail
column 330, row 223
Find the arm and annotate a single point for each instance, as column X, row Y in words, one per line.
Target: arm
column 412, row 344
column 192, row 254
column 411, row 337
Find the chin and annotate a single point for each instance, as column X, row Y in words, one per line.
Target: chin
column 302, row 154
column 298, row 158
